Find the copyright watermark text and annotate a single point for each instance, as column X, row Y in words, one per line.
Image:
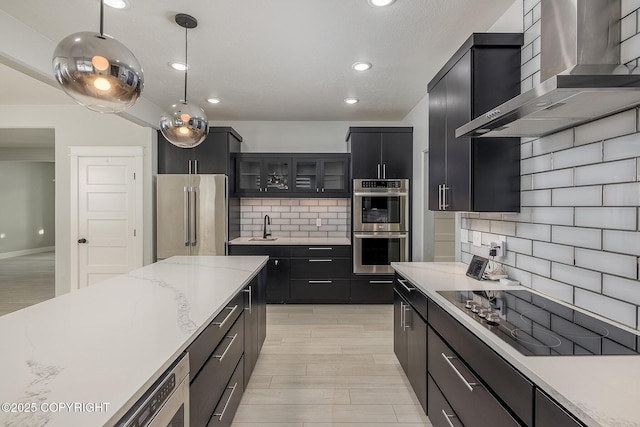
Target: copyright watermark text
column 79, row 407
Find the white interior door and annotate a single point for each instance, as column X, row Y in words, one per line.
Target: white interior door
column 109, row 232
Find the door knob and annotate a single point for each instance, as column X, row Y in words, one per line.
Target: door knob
column 82, row 241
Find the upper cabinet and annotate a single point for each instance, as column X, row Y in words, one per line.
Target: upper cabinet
column 469, row 174
column 292, row 175
column 381, row 152
column 213, row 155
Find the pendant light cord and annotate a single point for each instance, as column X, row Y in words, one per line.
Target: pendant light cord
column 101, row 18
column 186, row 62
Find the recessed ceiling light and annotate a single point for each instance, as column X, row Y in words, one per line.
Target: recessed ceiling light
column 351, row 100
column 361, row 66
column 180, row 66
column 117, row 4
column 213, row 101
column 380, row 3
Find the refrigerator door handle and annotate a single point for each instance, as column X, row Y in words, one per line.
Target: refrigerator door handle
column 186, row 215
column 192, row 217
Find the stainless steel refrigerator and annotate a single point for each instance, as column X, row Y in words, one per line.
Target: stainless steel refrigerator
column 191, row 215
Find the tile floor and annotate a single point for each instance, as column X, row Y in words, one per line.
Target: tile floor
column 26, row 280
column 329, row 366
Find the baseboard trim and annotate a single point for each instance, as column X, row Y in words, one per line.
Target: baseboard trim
column 33, row 251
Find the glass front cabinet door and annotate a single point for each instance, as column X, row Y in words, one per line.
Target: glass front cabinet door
column 321, row 175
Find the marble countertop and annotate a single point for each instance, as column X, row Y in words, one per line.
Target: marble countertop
column 293, row 241
column 599, row 390
column 103, row 346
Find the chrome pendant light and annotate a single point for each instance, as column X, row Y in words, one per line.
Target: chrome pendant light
column 184, row 125
column 98, row 71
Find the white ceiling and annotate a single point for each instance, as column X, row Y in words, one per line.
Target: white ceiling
column 275, row 59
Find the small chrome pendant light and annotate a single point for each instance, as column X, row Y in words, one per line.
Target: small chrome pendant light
column 184, row 125
column 98, row 71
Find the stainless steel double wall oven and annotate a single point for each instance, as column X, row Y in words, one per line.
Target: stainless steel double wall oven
column 380, row 224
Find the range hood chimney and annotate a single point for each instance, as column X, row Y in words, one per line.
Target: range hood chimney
column 582, row 78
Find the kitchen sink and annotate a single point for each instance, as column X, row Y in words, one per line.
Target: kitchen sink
column 263, row 239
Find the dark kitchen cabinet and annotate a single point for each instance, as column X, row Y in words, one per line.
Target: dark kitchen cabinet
column 440, row 413
column 313, row 174
column 410, row 337
column 260, row 174
column 320, row 273
column 381, row 152
column 550, row 413
column 372, row 289
column 278, row 267
column 213, row 155
column 474, row 174
column 255, row 322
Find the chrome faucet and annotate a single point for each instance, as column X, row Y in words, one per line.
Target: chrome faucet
column 267, row 221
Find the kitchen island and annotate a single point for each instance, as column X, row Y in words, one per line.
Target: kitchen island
column 597, row 390
column 82, row 359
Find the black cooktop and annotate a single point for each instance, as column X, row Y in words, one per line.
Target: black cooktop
column 536, row 326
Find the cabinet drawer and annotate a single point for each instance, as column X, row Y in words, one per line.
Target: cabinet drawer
column 208, row 386
column 505, row 381
column 320, row 290
column 412, row 294
column 321, row 251
column 440, row 413
column 374, row 290
column 468, row 397
column 549, row 413
column 208, row 340
column 270, row 250
column 320, row 268
column 228, row 404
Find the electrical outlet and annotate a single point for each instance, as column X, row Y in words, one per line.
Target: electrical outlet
column 318, row 222
column 477, row 238
column 500, row 247
column 464, row 235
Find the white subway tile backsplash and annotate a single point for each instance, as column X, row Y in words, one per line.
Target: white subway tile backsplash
column 526, row 182
column 524, row 277
column 327, row 202
column 607, row 173
column 554, row 142
column 577, row 196
column 535, row 164
column 628, row 6
column 532, row 33
column 553, row 179
column 558, row 290
column 552, row 215
column 290, row 202
column 533, row 265
column 250, row 202
column 530, row 4
column 299, row 222
column 309, row 202
column 628, row 26
column 522, row 246
column 526, row 150
column 585, row 279
column 622, row 194
column 250, row 214
column 553, row 252
column 605, row 306
column 535, row 198
column 530, row 67
column 537, row 12
column 318, row 209
column 261, row 208
column 630, row 49
column 526, row 84
column 290, row 215
column 623, row 289
column 481, row 225
column 270, row 202
column 613, row 218
column 533, row 231
column 537, row 45
column 623, row 147
column 503, row 228
column 528, row 19
column 581, row 237
column 299, row 208
column 578, row 156
column 607, row 262
column 526, row 53
column 536, row 77
column 624, row 242
column 609, row 127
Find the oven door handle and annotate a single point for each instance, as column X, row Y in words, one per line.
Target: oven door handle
column 381, row 194
column 380, row 236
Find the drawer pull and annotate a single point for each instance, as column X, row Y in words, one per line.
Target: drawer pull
column 220, row 357
column 320, row 260
column 221, row 324
column 224, row 409
column 466, row 383
column 448, row 418
column 320, row 249
column 407, row 325
column 404, row 285
column 380, row 282
column 319, row 282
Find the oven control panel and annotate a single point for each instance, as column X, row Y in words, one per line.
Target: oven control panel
column 382, row 184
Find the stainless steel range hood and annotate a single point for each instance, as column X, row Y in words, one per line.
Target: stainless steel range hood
column 582, row 78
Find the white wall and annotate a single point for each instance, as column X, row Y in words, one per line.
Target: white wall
column 77, row 126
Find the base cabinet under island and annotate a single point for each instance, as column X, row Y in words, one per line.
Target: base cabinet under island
column 458, row 379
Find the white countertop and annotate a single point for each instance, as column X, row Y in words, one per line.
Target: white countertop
column 599, row 390
column 109, row 342
column 292, row 241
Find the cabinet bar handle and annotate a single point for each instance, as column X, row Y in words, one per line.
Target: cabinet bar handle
column 378, row 171
column 466, row 383
column 249, row 292
column 221, row 324
column 320, row 260
column 195, row 162
column 319, row 282
column 224, row 409
column 224, row 353
column 380, row 282
column 407, row 325
column 185, row 205
column 448, row 418
column 384, row 171
column 404, row 285
column 402, row 315
column 320, row 249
